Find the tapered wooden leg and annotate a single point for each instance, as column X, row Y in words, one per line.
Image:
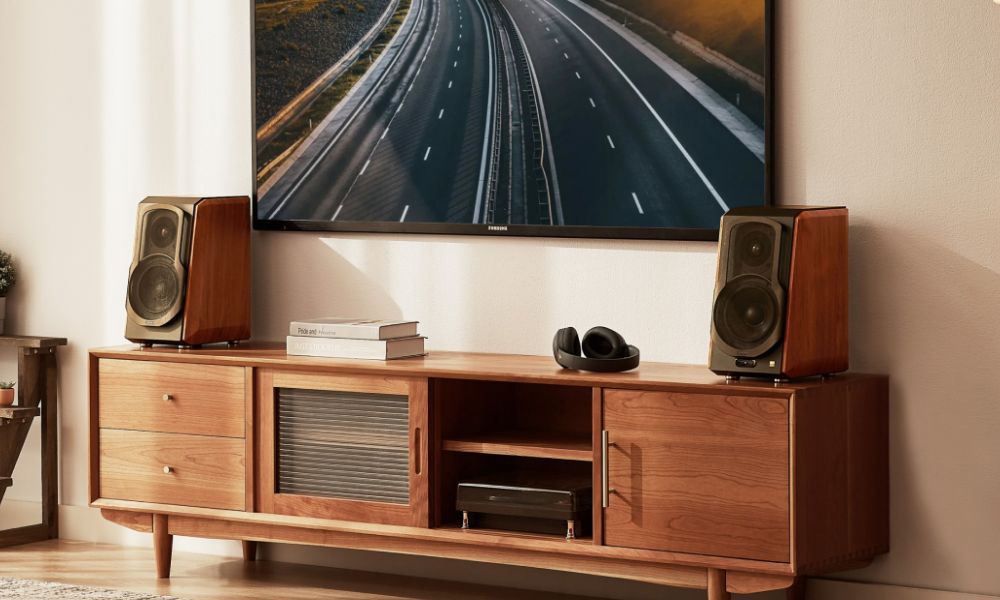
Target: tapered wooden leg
column 797, row 591
column 717, row 585
column 249, row 550
column 163, row 545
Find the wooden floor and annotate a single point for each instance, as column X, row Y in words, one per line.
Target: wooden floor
column 196, row 576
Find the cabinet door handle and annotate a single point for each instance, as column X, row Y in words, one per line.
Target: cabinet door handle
column 606, row 491
column 416, row 451
column 167, row 470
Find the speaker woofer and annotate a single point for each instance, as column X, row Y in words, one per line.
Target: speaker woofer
column 155, row 290
column 748, row 313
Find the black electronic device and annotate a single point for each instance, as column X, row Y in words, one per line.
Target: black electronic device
column 603, row 350
column 527, row 501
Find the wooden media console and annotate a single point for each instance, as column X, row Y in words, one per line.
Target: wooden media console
column 733, row 487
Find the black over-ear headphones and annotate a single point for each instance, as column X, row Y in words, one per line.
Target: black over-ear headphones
column 604, row 350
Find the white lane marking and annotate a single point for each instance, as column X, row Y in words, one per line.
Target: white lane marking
column 410, row 89
column 547, row 29
column 454, row 64
column 491, row 45
column 557, row 40
column 458, row 49
column 610, row 143
column 539, row 19
column 391, row 119
column 592, row 105
column 338, row 212
column 449, row 85
column 656, row 115
column 365, row 168
column 427, row 153
column 577, row 74
column 637, row 205
column 406, row 209
column 319, row 156
column 440, row 114
column 566, row 56
column 460, row 36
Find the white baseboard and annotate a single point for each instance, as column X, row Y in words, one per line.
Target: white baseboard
column 86, row 524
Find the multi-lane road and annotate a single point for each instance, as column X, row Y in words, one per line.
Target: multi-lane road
column 519, row 111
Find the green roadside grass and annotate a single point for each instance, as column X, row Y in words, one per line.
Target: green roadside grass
column 300, row 128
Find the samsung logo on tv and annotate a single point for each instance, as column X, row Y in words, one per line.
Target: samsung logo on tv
column 497, row 228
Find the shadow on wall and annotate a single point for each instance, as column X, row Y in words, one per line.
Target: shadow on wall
column 927, row 316
column 492, row 294
column 329, row 283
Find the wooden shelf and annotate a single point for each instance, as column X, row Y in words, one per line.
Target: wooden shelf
column 527, row 444
column 31, row 341
column 18, row 414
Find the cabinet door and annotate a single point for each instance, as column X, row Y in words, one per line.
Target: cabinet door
column 698, row 473
column 344, row 447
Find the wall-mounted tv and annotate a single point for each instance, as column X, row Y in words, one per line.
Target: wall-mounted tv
column 576, row 118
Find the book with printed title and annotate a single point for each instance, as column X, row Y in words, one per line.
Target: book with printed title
column 360, row 329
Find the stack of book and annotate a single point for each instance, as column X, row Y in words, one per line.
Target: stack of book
column 336, row 337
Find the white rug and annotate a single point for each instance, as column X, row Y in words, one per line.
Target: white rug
column 26, row 589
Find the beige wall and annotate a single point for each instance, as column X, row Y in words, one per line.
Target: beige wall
column 889, row 107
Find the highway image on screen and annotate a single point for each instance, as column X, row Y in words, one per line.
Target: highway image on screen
column 537, row 112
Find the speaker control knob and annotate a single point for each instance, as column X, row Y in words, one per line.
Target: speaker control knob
column 167, row 470
column 167, row 397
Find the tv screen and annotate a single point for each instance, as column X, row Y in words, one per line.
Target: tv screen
column 584, row 118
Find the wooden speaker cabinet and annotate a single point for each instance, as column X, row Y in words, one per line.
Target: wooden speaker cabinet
column 731, row 487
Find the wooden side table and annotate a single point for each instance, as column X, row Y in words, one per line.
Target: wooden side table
column 36, row 395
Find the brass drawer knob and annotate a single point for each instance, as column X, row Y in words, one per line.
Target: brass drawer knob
column 167, row 397
column 168, row 469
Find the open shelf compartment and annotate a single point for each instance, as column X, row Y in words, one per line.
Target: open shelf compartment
column 487, row 430
column 515, row 419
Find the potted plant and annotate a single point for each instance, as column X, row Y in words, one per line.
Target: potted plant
column 6, row 393
column 8, row 276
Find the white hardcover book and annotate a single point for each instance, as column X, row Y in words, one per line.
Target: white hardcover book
column 360, row 329
column 353, row 348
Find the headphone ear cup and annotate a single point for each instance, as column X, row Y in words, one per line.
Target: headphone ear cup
column 567, row 340
column 602, row 342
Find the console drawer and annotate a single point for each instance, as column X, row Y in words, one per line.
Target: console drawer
column 172, row 468
column 172, row 398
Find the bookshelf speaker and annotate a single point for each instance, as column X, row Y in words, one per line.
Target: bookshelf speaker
column 189, row 282
column 780, row 306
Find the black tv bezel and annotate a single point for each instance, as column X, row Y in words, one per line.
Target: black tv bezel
column 512, row 230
